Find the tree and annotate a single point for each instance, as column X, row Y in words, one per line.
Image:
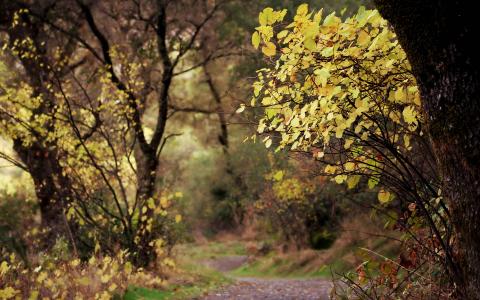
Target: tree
column 437, row 37
column 100, row 84
column 344, row 92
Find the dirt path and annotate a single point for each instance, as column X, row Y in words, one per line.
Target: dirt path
column 226, row 263
column 266, row 289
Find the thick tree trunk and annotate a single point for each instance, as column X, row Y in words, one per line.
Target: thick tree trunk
column 52, row 188
column 439, row 37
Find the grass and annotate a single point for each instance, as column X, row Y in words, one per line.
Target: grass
column 191, row 279
column 343, row 256
column 293, row 265
column 202, row 286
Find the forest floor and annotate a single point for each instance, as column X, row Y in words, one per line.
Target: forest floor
column 227, row 270
column 233, row 268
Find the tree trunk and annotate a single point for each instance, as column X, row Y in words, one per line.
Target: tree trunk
column 147, row 164
column 438, row 38
column 52, row 188
column 239, row 210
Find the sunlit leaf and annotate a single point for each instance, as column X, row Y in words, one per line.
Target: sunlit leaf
column 269, row 49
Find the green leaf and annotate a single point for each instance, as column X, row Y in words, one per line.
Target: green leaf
column 372, row 182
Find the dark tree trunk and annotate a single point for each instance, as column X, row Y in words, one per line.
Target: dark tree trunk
column 439, row 39
column 239, row 212
column 223, row 136
column 147, row 164
column 52, row 188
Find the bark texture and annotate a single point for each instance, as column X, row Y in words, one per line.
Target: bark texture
column 439, row 38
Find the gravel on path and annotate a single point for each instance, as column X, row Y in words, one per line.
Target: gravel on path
column 265, row 289
column 273, row 289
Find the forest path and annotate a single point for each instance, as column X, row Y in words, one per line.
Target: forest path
column 260, row 288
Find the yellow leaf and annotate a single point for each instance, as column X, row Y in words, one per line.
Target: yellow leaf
column 318, row 16
column 384, row 196
column 112, row 287
column 41, row 277
column 282, row 34
column 262, row 19
column 169, row 262
column 240, row 109
column 103, row 296
column 164, row 202
column 400, row 95
column 178, row 218
column 278, row 175
column 352, row 181
column 255, row 39
column 105, row 278
column 33, row 295
column 151, row 203
column 83, row 280
column 406, row 140
column 348, row 143
column 327, row 52
column 363, row 38
column 322, row 75
column 349, row 166
column 302, row 10
column 269, row 49
column 330, row 169
column 8, row 292
column 128, row 267
column 4, row 267
column 310, row 43
column 75, row 262
column 268, row 143
column 409, row 115
column 340, row 178
column 339, row 132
